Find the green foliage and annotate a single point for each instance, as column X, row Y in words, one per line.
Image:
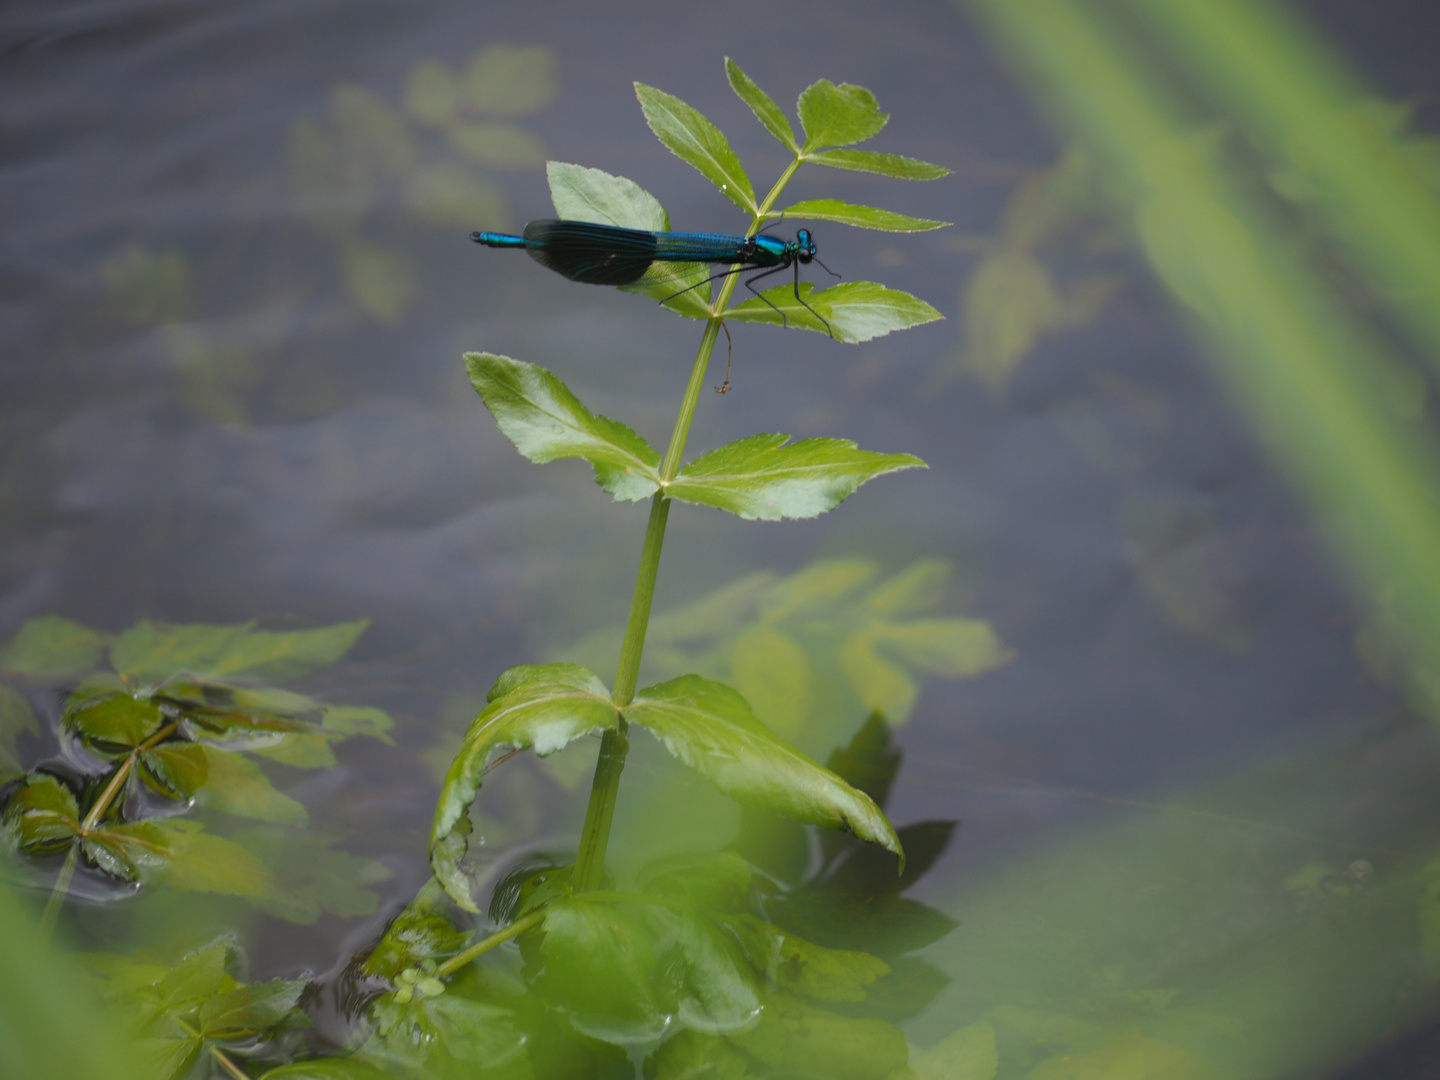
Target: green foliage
column 711, row 728
column 546, row 422
column 762, row 479
column 583, row 194
column 856, row 310
column 544, row 707
column 698, row 142
column 863, row 217
column 756, row 478
column 832, row 641
column 50, row 647
column 158, row 717
column 197, row 1007
column 433, row 154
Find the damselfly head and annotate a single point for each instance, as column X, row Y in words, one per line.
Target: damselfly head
column 805, row 246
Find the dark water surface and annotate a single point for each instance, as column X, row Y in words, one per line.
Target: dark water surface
column 232, row 321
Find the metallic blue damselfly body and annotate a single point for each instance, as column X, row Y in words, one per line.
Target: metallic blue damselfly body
column 609, row 255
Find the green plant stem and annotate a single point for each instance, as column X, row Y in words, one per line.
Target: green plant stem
column 223, row 1060
column 519, row 926
column 614, row 745
column 61, row 888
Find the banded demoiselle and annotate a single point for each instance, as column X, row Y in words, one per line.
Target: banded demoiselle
column 609, row 255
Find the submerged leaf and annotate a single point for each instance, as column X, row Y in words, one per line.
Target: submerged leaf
column 546, row 422
column 803, row 968
column 312, row 877
column 797, row 1039
column 761, row 104
column 862, row 217
column 892, row 165
column 150, row 653
column 967, row 1053
column 540, row 706
column 838, row 115
column 695, row 140
column 50, row 647
column 761, row 478
column 711, row 728
column 235, row 785
column 16, row 716
column 856, row 310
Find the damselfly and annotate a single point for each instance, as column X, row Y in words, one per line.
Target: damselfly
column 609, row 255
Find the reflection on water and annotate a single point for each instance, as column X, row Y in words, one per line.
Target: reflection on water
column 234, row 287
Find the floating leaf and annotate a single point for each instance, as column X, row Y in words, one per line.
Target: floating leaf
column 691, row 1055
column 598, row 963
column 546, row 422
column 838, row 115
column 711, row 728
column 442, row 1034
column 115, row 724
column 761, row 104
column 176, row 769
column 235, row 785
column 42, row 815
column 892, row 165
column 190, row 858
column 420, row 933
column 50, row 647
column 710, row 881
column 719, row 988
column 761, row 478
column 856, row 310
column 582, row 194
column 863, row 217
column 247, row 1011
column 695, row 140
column 540, row 706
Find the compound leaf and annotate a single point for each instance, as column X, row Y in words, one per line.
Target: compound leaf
column 711, row 728
column 546, row 422
column 761, row 478
column 542, row 707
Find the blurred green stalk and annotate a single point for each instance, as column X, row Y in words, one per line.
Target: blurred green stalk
column 1302, row 366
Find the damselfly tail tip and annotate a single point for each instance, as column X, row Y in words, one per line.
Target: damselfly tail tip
column 478, row 236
